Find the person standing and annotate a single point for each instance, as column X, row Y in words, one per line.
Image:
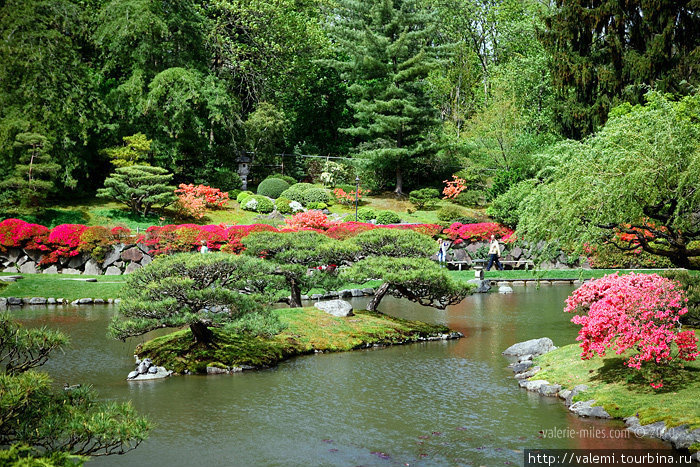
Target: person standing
column 494, row 254
column 443, row 246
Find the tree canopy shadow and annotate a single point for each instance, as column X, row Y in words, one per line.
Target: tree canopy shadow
column 615, row 371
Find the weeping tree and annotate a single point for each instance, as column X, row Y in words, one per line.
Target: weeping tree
column 58, row 427
column 296, row 256
column 199, row 291
column 417, row 279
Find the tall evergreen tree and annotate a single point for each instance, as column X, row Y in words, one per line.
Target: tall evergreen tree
column 386, row 50
column 604, row 51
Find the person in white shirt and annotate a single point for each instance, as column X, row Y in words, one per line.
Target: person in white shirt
column 494, row 254
column 443, row 246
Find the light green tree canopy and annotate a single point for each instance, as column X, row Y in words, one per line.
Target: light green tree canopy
column 637, row 177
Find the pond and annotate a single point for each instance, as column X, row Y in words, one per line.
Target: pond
column 433, row 403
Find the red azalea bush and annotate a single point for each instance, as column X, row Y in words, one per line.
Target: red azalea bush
column 453, row 187
column 16, row 233
column 308, row 220
column 480, row 232
column 637, row 312
column 348, row 198
column 194, row 200
column 63, row 242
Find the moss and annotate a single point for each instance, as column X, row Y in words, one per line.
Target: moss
column 308, row 330
column 622, row 391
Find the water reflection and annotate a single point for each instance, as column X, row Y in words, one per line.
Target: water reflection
column 435, row 403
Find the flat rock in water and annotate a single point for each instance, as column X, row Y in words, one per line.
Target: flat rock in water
column 586, row 409
column 482, row 286
column 335, row 307
column 37, row 301
column 532, row 347
column 520, row 367
column 505, row 289
column 14, row 301
column 550, row 389
column 368, row 291
column 533, row 385
column 160, row 373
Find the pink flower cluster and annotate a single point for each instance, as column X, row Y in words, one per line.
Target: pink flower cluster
column 16, row 233
column 636, row 312
column 479, row 232
column 194, row 200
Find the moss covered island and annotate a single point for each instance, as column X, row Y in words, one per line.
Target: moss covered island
column 307, row 330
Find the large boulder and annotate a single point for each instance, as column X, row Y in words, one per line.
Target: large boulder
column 482, row 286
column 133, row 254
column 70, row 271
column 28, row 268
column 131, row 268
column 37, row 301
column 92, row 268
column 113, row 271
column 586, row 409
column 533, row 347
column 335, row 307
column 113, row 255
column 77, row 261
column 575, row 392
column 53, row 269
column 35, row 255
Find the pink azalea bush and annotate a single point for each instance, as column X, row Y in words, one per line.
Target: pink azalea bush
column 637, row 313
column 16, row 233
column 194, row 200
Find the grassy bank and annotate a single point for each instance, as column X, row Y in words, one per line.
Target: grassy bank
column 63, row 286
column 622, row 391
column 308, row 330
column 547, row 274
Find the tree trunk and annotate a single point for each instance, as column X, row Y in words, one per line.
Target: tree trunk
column 378, row 295
column 202, row 334
column 399, row 181
column 295, row 296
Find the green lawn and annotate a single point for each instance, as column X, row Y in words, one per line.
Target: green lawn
column 95, row 211
column 622, row 391
column 307, row 329
column 59, row 286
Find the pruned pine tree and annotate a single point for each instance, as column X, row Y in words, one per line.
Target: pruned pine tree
column 33, row 176
column 140, row 187
column 50, row 426
column 199, row 291
column 386, row 50
column 419, row 280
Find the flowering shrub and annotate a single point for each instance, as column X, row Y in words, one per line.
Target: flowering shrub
column 454, row 187
column 348, row 198
column 193, row 201
column 296, row 206
column 96, row 241
column 63, row 242
column 308, row 220
column 479, row 232
column 636, row 312
column 608, row 256
column 16, row 233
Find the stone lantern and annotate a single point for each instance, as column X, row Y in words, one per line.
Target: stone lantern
column 244, row 162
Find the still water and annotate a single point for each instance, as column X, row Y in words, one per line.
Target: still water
column 434, row 403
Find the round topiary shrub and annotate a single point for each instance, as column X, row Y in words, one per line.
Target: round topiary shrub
column 242, row 195
column 450, row 214
column 387, row 217
column 296, row 192
column 315, row 195
column 315, row 205
column 282, row 205
column 272, row 187
column 286, row 178
column 366, row 214
column 258, row 203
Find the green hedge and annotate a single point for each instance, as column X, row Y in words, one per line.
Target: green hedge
column 272, row 187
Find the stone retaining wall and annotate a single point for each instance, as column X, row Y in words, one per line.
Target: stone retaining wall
column 468, row 252
column 121, row 259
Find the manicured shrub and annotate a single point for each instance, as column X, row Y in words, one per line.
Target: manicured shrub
column 315, row 205
column 258, row 203
column 282, row 205
column 296, row 192
column 242, row 195
column 450, row 214
column 272, row 187
column 638, row 313
column 315, row 195
column 470, row 198
column 366, row 214
column 479, row 232
column 290, row 180
column 388, row 217
column 424, row 198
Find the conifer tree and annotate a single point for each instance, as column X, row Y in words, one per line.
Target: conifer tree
column 386, row 50
column 33, row 176
column 605, row 51
column 140, row 187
